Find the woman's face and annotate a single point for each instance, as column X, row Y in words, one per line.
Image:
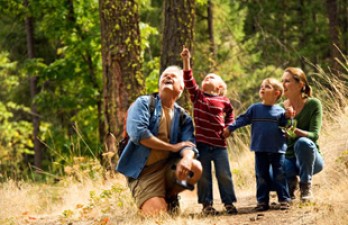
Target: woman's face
column 291, row 86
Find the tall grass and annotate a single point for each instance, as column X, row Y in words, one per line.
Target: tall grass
column 331, row 191
column 83, row 194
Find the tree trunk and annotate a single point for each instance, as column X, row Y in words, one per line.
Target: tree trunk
column 343, row 24
column 33, row 80
column 122, row 79
column 211, row 35
column 332, row 12
column 301, row 21
column 178, row 31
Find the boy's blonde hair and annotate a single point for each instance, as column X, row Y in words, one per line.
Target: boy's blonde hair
column 276, row 84
column 223, row 84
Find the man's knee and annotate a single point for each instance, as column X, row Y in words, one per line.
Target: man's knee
column 197, row 171
column 153, row 206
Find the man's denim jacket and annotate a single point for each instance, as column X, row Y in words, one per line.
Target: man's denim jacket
column 141, row 126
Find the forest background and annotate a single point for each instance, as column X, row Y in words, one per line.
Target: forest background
column 70, row 69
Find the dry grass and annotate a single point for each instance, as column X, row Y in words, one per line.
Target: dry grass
column 109, row 202
column 100, row 202
column 331, row 184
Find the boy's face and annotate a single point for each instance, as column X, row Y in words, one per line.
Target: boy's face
column 268, row 94
column 211, row 83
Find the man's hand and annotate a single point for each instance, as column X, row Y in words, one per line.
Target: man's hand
column 183, row 168
column 156, row 143
column 177, row 147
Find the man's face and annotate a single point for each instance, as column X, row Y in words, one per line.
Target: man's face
column 170, row 81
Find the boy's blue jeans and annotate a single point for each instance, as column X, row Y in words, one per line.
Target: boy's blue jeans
column 218, row 155
column 307, row 161
column 264, row 182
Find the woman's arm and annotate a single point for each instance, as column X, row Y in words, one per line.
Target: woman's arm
column 314, row 115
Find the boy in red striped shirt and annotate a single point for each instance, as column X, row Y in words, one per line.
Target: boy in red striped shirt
column 212, row 113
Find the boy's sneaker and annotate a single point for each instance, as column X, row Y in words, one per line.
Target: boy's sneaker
column 209, row 210
column 231, row 209
column 284, row 205
column 262, row 206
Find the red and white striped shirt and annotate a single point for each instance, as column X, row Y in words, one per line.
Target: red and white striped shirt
column 211, row 113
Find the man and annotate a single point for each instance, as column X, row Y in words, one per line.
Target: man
column 161, row 151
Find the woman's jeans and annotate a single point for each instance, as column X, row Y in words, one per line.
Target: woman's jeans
column 307, row 161
column 267, row 180
column 218, row 155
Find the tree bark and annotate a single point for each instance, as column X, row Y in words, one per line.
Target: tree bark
column 122, row 78
column 332, row 11
column 33, row 80
column 343, row 24
column 177, row 31
column 301, row 21
column 211, row 34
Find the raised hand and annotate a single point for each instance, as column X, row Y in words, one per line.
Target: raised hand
column 185, row 54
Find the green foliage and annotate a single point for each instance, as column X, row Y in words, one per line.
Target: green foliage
column 253, row 40
column 152, row 75
column 150, row 67
column 289, row 32
column 15, row 139
column 68, row 67
column 248, row 85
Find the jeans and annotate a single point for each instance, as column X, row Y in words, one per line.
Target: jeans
column 266, row 181
column 218, row 155
column 307, row 161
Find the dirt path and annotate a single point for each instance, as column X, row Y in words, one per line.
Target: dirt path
column 300, row 213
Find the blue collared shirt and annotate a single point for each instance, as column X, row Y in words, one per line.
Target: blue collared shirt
column 141, row 125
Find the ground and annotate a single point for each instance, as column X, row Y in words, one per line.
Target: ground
column 108, row 201
column 300, row 213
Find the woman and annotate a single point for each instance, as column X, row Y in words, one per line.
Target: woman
column 303, row 157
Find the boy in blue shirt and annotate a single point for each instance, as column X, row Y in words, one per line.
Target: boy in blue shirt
column 268, row 142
